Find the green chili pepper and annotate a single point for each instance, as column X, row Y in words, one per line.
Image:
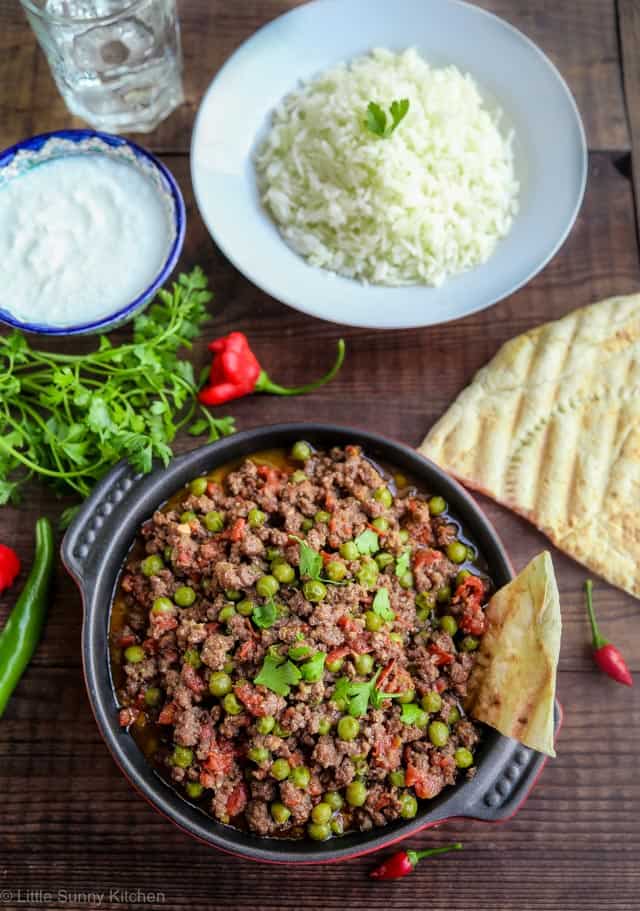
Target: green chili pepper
column 22, row 630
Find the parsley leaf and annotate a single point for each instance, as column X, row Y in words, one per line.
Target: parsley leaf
column 376, row 121
column 382, row 606
column 358, row 694
column 412, row 713
column 310, row 561
column 367, row 542
column 313, row 669
column 265, row 615
column 277, row 676
column 403, row 563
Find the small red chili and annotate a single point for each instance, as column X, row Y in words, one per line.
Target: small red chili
column 606, row 655
column 236, row 371
column 9, row 566
column 404, row 862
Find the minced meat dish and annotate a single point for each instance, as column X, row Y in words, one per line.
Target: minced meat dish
column 291, row 642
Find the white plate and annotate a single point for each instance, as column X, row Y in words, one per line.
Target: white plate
column 550, row 150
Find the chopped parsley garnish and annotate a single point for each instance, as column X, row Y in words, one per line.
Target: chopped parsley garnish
column 313, row 669
column 278, row 675
column 412, row 714
column 367, row 542
column 376, row 121
column 403, row 563
column 265, row 615
column 382, row 606
column 358, row 695
column 311, row 564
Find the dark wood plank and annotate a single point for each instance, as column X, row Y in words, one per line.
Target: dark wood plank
column 580, row 38
column 629, row 24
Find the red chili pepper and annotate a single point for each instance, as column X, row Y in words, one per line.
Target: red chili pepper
column 403, row 862
column 606, row 655
column 9, row 566
column 236, row 371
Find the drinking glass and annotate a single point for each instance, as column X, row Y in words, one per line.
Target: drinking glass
column 117, row 63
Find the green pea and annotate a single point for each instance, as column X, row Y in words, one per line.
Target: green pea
column 437, row 505
column 163, row 606
column 397, row 778
column 220, row 684
column 356, row 794
column 383, row 495
column 454, row 715
column 463, row 758
column 381, row 524
column 280, row 769
column 457, row 552
column 333, row 799
column 384, row 559
column 443, row 595
column 319, row 831
column 299, row 652
column 245, row 607
column 194, row 789
column 306, row 524
column 336, row 571
column 229, row 666
column 324, row 726
column 406, row 697
column 297, row 478
column 363, row 664
column 258, row 755
column 184, row 596
column 273, row 553
column 322, row 517
column 267, row 586
column 230, row 704
column 462, row 575
column 192, row 658
column 167, row 553
column 438, row 733
column 472, row 554
column 423, row 614
column 321, row 813
column 300, row 776
column 265, row 724
column 187, row 517
column 198, row 486
column 214, row 521
column 152, row 565
column 152, row 696
column 300, row 451
column 256, row 518
column 396, row 637
column 134, row 654
column 283, row 572
column 280, row 813
column 314, row 590
column 348, row 728
column 349, row 550
column 403, row 535
column 182, row 757
column 233, row 594
column 406, row 579
column 279, row 731
column 373, row 622
column 227, row 612
column 368, row 574
column 408, row 806
column 431, row 702
column 337, row 825
column 448, row 624
column 334, row 666
column 469, row 644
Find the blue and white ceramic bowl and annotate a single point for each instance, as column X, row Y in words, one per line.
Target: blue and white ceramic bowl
column 36, row 150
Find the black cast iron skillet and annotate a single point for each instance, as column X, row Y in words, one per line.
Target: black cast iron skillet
column 93, row 551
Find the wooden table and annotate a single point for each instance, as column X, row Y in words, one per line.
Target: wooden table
column 68, row 819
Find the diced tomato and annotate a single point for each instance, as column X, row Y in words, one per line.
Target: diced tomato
column 128, row 716
column 447, row 763
column 246, row 650
column 352, row 451
column 162, row 623
column 425, row 558
column 212, row 627
column 330, row 501
column 252, row 699
column 295, row 759
column 383, row 801
column 385, row 673
column 236, row 532
column 212, row 488
column 473, row 621
column 151, row 646
column 237, row 799
column 387, row 751
column 346, row 622
column 126, row 641
column 192, row 679
column 220, row 759
column 167, row 714
column 426, row 784
column 140, row 701
column 381, row 534
column 440, row 685
column 337, row 653
column 442, row 657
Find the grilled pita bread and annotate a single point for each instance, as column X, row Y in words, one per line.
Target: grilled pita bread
column 513, row 682
column 551, row 429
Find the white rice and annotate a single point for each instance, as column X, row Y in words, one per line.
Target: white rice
column 430, row 201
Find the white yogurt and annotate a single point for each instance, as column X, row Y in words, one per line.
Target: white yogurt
column 80, row 238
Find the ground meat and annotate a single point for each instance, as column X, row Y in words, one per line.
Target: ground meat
column 241, row 674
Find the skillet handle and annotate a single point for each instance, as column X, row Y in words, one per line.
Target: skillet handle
column 104, row 507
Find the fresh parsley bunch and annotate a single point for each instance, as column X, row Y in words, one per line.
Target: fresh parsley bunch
column 67, row 418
